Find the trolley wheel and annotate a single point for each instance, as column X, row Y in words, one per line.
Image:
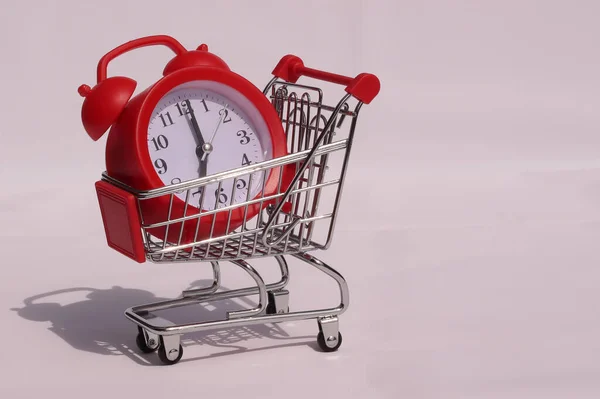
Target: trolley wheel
column 141, row 342
column 323, row 344
column 162, row 354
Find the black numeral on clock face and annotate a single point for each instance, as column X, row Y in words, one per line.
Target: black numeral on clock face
column 200, row 192
column 161, row 165
column 166, row 119
column 245, row 160
column 160, row 142
column 244, row 137
column 226, row 117
column 221, row 196
column 183, row 107
column 204, row 104
column 241, row 184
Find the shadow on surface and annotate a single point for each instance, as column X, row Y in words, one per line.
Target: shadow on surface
column 97, row 323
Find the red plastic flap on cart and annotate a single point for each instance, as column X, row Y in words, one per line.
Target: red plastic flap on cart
column 121, row 221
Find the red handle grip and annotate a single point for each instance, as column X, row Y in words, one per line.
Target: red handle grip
column 159, row 40
column 364, row 86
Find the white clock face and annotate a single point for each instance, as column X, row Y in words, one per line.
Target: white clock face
column 202, row 128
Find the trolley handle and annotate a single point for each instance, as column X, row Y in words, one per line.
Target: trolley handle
column 364, row 86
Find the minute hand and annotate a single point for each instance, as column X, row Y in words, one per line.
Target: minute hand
column 199, row 140
column 197, row 134
column 208, row 148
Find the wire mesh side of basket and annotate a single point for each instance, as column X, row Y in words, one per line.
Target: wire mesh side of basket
column 307, row 216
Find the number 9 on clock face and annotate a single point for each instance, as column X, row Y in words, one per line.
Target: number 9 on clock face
column 202, row 128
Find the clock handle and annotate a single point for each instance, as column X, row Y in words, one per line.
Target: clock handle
column 158, row 40
column 364, row 86
column 106, row 101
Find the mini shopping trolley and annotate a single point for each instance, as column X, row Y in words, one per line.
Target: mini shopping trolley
column 295, row 221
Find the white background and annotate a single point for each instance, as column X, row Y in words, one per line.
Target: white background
column 468, row 231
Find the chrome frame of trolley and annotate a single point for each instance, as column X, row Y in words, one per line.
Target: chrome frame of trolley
column 319, row 139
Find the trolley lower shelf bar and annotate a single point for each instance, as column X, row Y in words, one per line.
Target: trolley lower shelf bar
column 142, row 315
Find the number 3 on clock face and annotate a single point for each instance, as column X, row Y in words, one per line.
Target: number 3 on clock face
column 196, row 131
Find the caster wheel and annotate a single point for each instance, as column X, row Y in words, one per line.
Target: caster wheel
column 162, row 354
column 323, row 344
column 141, row 343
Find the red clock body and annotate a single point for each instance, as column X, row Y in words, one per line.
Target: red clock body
column 191, row 78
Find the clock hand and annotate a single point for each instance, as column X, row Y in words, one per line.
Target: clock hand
column 195, row 128
column 208, row 147
column 202, row 166
column 199, row 140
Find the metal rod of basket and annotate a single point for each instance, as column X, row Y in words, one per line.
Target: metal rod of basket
column 295, row 219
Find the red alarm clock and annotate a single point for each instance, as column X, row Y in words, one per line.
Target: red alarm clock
column 199, row 119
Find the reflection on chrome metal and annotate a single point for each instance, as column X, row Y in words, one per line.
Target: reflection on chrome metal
column 279, row 301
column 294, row 220
column 334, row 274
column 262, row 292
column 171, row 346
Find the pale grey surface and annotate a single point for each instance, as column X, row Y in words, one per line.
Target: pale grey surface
column 479, row 162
